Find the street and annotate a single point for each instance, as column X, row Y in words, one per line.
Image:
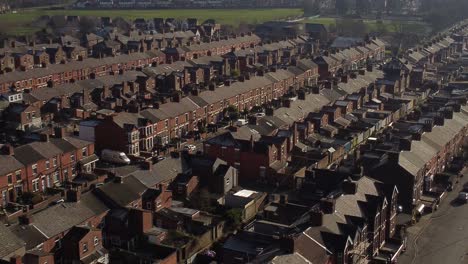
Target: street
column 441, row 237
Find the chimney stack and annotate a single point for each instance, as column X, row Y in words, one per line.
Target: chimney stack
column 73, row 195
column 25, row 219
column 148, row 165
column 16, row 260
column 283, row 199
column 316, row 218
column 349, row 187
column 327, row 205
column 59, row 132
column 8, row 150
column 140, row 220
column 44, row 137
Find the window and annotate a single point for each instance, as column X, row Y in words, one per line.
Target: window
column 96, row 241
column 34, row 169
column 223, row 151
column 55, row 177
column 48, row 181
column 186, row 117
column 35, row 185
column 47, row 164
column 54, row 162
column 4, row 197
column 65, row 173
column 58, row 243
column 262, row 171
column 84, row 152
column 167, row 123
column 10, row 179
column 176, row 121
column 85, row 247
column 148, row 205
column 72, row 157
column 18, row 175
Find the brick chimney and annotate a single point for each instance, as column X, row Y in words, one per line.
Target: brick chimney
column 8, row 150
column 283, row 199
column 147, row 165
column 327, row 205
column 44, row 137
column 16, row 260
column 25, row 219
column 344, row 79
column 349, row 187
column 140, row 221
column 73, row 195
column 59, row 132
column 316, row 218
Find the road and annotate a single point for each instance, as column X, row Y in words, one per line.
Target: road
column 441, row 237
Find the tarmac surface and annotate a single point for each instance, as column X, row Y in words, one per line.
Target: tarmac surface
column 440, row 237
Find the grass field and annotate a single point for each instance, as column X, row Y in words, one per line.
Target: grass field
column 23, row 21
column 389, row 26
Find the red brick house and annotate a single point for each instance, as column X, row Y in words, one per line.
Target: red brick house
column 24, row 61
column 7, row 63
column 47, row 163
column 12, row 174
column 75, row 70
column 83, row 244
column 157, row 199
column 23, row 117
column 256, row 158
column 376, row 230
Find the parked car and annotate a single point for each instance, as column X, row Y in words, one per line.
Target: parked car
column 116, row 157
column 462, row 197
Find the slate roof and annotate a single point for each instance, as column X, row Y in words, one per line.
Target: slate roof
column 299, row 109
column 76, row 234
column 70, row 66
column 9, row 164
column 345, row 42
column 29, row 234
column 316, row 243
column 431, row 143
column 9, row 242
column 124, row 193
column 163, row 171
column 67, row 214
column 28, row 155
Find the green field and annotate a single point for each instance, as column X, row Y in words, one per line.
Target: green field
column 389, row 26
column 23, row 21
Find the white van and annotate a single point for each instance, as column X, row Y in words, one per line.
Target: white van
column 241, row 122
column 113, row 156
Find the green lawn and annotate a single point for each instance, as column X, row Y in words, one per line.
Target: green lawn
column 374, row 25
column 23, row 21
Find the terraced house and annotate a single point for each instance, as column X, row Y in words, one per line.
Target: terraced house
column 44, row 164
